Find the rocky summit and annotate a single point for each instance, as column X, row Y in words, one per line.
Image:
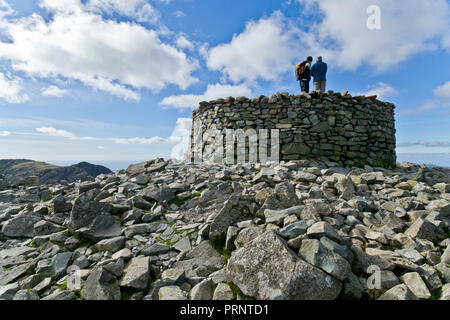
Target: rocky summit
column 163, row 230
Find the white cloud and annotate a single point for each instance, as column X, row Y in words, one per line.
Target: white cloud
column 53, row 132
column 11, row 89
column 179, row 14
column 408, row 27
column 213, row 92
column 264, row 50
column 425, row 107
column 183, row 43
column 117, row 57
column 179, row 139
column 5, row 133
column 54, row 91
column 381, row 90
column 443, row 91
column 429, row 144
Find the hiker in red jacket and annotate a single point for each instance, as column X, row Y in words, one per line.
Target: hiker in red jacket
column 303, row 73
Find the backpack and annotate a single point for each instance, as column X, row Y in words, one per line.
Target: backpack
column 301, row 70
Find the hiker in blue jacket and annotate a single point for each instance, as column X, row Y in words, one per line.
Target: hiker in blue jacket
column 319, row 72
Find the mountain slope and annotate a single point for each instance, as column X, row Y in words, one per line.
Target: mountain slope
column 16, row 170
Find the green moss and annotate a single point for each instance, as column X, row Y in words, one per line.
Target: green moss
column 238, row 292
column 218, row 244
column 375, row 293
column 30, row 270
column 177, row 202
column 66, row 233
column 195, row 195
column 436, row 294
column 60, row 244
column 63, row 287
column 126, row 293
column 77, row 294
column 94, row 250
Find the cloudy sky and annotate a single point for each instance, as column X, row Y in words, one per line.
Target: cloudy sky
column 114, row 82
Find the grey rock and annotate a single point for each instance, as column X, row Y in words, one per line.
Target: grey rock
column 60, row 296
column 26, row 294
column 201, row 261
column 101, row 285
column 445, row 292
column 158, row 193
column 173, row 276
column 415, row 283
column 323, row 229
column 21, row 226
column 246, row 235
column 233, row 211
column 8, row 291
column 92, row 219
column 172, row 293
column 112, row 245
column 42, row 227
column 399, row 292
column 136, row 274
column 411, row 254
column 155, row 249
column 294, row 230
column 425, row 230
column 223, row 292
column 281, row 273
column 8, row 276
column 202, row 291
column 277, row 216
column 318, row 255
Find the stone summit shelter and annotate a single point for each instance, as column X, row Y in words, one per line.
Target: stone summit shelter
column 351, row 131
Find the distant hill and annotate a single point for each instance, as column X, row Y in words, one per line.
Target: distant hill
column 16, row 170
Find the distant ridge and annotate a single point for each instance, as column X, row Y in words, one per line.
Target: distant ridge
column 17, row 169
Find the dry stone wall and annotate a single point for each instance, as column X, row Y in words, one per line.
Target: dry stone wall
column 351, row 131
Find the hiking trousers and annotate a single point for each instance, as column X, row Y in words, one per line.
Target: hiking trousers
column 320, row 86
column 304, row 85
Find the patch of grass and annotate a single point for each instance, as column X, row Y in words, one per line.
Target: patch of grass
column 77, row 294
column 60, row 244
column 218, row 244
column 238, row 292
column 436, row 294
column 375, row 293
column 94, row 250
column 63, row 287
column 30, row 270
column 66, row 233
column 177, row 202
column 126, row 294
column 195, row 195
column 166, row 242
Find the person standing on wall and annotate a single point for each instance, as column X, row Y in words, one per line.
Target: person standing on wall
column 303, row 72
column 319, row 72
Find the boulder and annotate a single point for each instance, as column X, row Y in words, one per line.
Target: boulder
column 136, row 274
column 21, row 226
column 92, row 220
column 267, row 269
column 101, row 285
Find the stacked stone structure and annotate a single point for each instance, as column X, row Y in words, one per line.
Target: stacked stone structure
column 351, row 131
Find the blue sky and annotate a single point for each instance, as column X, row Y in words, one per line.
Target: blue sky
column 114, row 82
